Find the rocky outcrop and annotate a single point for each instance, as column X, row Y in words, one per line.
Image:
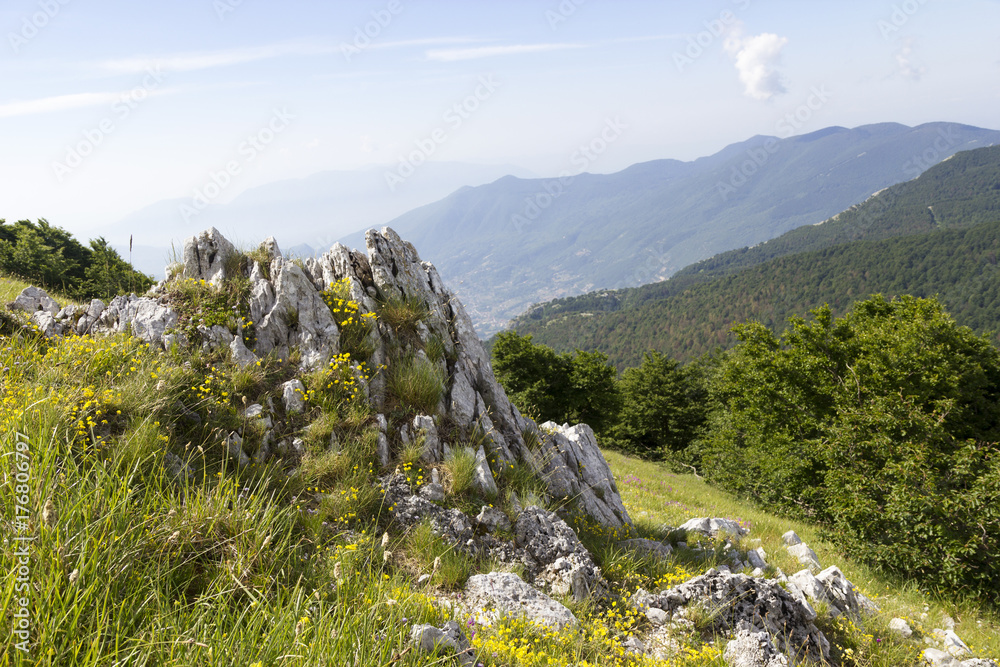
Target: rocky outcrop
column 205, row 256
column 752, row 648
column 575, row 469
column 33, row 299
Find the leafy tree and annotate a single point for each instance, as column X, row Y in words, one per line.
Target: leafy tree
column 594, row 399
column 883, row 423
column 535, row 378
column 664, row 407
column 108, row 274
column 50, row 257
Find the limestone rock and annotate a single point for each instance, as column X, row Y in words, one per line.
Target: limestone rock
column 423, row 425
column 205, row 255
column 790, row 539
column 714, row 527
column 805, row 555
column 762, row 603
column 90, row 316
column 241, row 356
column 491, row 519
column 46, row 323
column 143, row 317
column 428, row 639
column 938, row 658
column 293, row 393
column 901, row 628
column 32, row 299
column 647, row 547
column 573, row 467
column 500, row 594
column 482, row 477
column 752, row 648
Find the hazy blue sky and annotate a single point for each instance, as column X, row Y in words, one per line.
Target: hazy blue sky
column 109, row 105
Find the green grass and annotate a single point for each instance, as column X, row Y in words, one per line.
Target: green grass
column 655, row 497
column 416, row 383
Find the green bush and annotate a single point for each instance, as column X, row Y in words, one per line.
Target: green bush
column 883, row 423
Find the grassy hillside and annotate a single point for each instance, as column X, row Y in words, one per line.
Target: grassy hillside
column 934, row 235
column 149, row 546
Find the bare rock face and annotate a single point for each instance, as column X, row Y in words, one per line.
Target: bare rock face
column 205, row 255
column 574, row 467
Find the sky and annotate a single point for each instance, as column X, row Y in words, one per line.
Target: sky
column 107, row 106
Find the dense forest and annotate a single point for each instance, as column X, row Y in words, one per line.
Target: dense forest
column 882, row 424
column 50, row 257
column 892, row 244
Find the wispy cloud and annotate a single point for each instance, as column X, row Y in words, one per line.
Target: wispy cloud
column 452, row 55
column 188, row 62
column 56, row 103
column 757, row 59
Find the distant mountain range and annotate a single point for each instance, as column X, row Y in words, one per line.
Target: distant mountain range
column 514, row 242
column 309, row 213
column 936, row 235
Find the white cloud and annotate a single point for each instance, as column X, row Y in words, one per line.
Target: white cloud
column 56, row 103
column 908, row 68
column 757, row 59
column 452, row 55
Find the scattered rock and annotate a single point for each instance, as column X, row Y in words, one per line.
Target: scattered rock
column 241, row 356
column 791, row 539
column 423, row 425
column 428, row 639
column 714, row 527
column 901, row 628
column 432, row 492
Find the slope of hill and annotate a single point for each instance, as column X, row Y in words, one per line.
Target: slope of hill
column 145, row 533
column 942, row 250
column 516, row 242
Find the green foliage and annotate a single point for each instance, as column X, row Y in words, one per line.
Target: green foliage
column 51, row 258
column 882, row 423
column 560, row 387
column 664, row 406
